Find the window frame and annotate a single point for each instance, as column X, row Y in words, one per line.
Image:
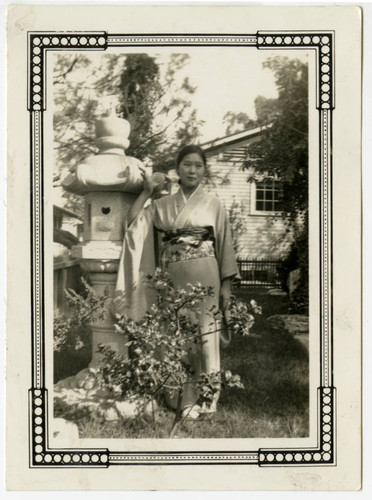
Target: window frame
column 254, row 210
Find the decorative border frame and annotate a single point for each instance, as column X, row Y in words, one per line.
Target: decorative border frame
column 40, row 454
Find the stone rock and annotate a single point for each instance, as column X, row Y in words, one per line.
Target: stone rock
column 85, row 379
column 126, row 409
column 293, row 280
column 304, row 339
column 294, row 324
column 110, row 414
column 66, row 431
column 76, row 400
column 129, row 409
column 82, row 392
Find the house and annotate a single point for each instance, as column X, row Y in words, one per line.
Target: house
column 261, row 236
column 67, row 226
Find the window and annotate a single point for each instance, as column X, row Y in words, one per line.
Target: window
column 266, row 196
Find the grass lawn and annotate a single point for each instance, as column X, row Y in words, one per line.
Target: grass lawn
column 274, row 403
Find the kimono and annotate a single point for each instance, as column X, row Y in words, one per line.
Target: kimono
column 197, row 247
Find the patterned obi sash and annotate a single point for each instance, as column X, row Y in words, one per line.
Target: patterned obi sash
column 186, row 244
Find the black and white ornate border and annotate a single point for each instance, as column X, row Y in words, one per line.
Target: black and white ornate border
column 40, row 453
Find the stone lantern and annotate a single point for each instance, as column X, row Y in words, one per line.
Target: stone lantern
column 110, row 182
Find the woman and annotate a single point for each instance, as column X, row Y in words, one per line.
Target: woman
column 196, row 247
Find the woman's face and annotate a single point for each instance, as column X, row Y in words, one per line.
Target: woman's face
column 191, row 170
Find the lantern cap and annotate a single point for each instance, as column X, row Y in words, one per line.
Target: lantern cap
column 112, row 132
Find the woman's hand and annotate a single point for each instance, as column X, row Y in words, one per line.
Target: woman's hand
column 225, row 293
column 153, row 181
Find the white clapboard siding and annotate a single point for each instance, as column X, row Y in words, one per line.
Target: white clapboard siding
column 265, row 237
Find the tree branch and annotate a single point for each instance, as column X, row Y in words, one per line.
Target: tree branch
column 68, row 70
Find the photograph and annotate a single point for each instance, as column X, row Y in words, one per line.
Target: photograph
column 183, row 248
column 180, row 243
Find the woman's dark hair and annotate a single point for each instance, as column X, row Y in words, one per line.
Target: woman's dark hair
column 192, row 148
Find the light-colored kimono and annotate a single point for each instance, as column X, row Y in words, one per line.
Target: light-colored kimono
column 212, row 262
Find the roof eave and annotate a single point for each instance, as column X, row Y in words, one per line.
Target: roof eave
column 224, row 142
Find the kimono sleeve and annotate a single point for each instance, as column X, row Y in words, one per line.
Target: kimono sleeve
column 224, row 246
column 136, row 261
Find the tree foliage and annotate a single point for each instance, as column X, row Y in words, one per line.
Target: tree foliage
column 282, row 151
column 237, row 122
column 158, row 109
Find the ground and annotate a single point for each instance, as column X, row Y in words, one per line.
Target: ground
column 274, row 369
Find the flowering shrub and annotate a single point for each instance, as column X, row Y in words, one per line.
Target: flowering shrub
column 242, row 315
column 211, row 383
column 85, row 309
column 159, row 346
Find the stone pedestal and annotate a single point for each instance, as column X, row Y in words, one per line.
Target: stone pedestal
column 110, row 182
column 102, row 275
